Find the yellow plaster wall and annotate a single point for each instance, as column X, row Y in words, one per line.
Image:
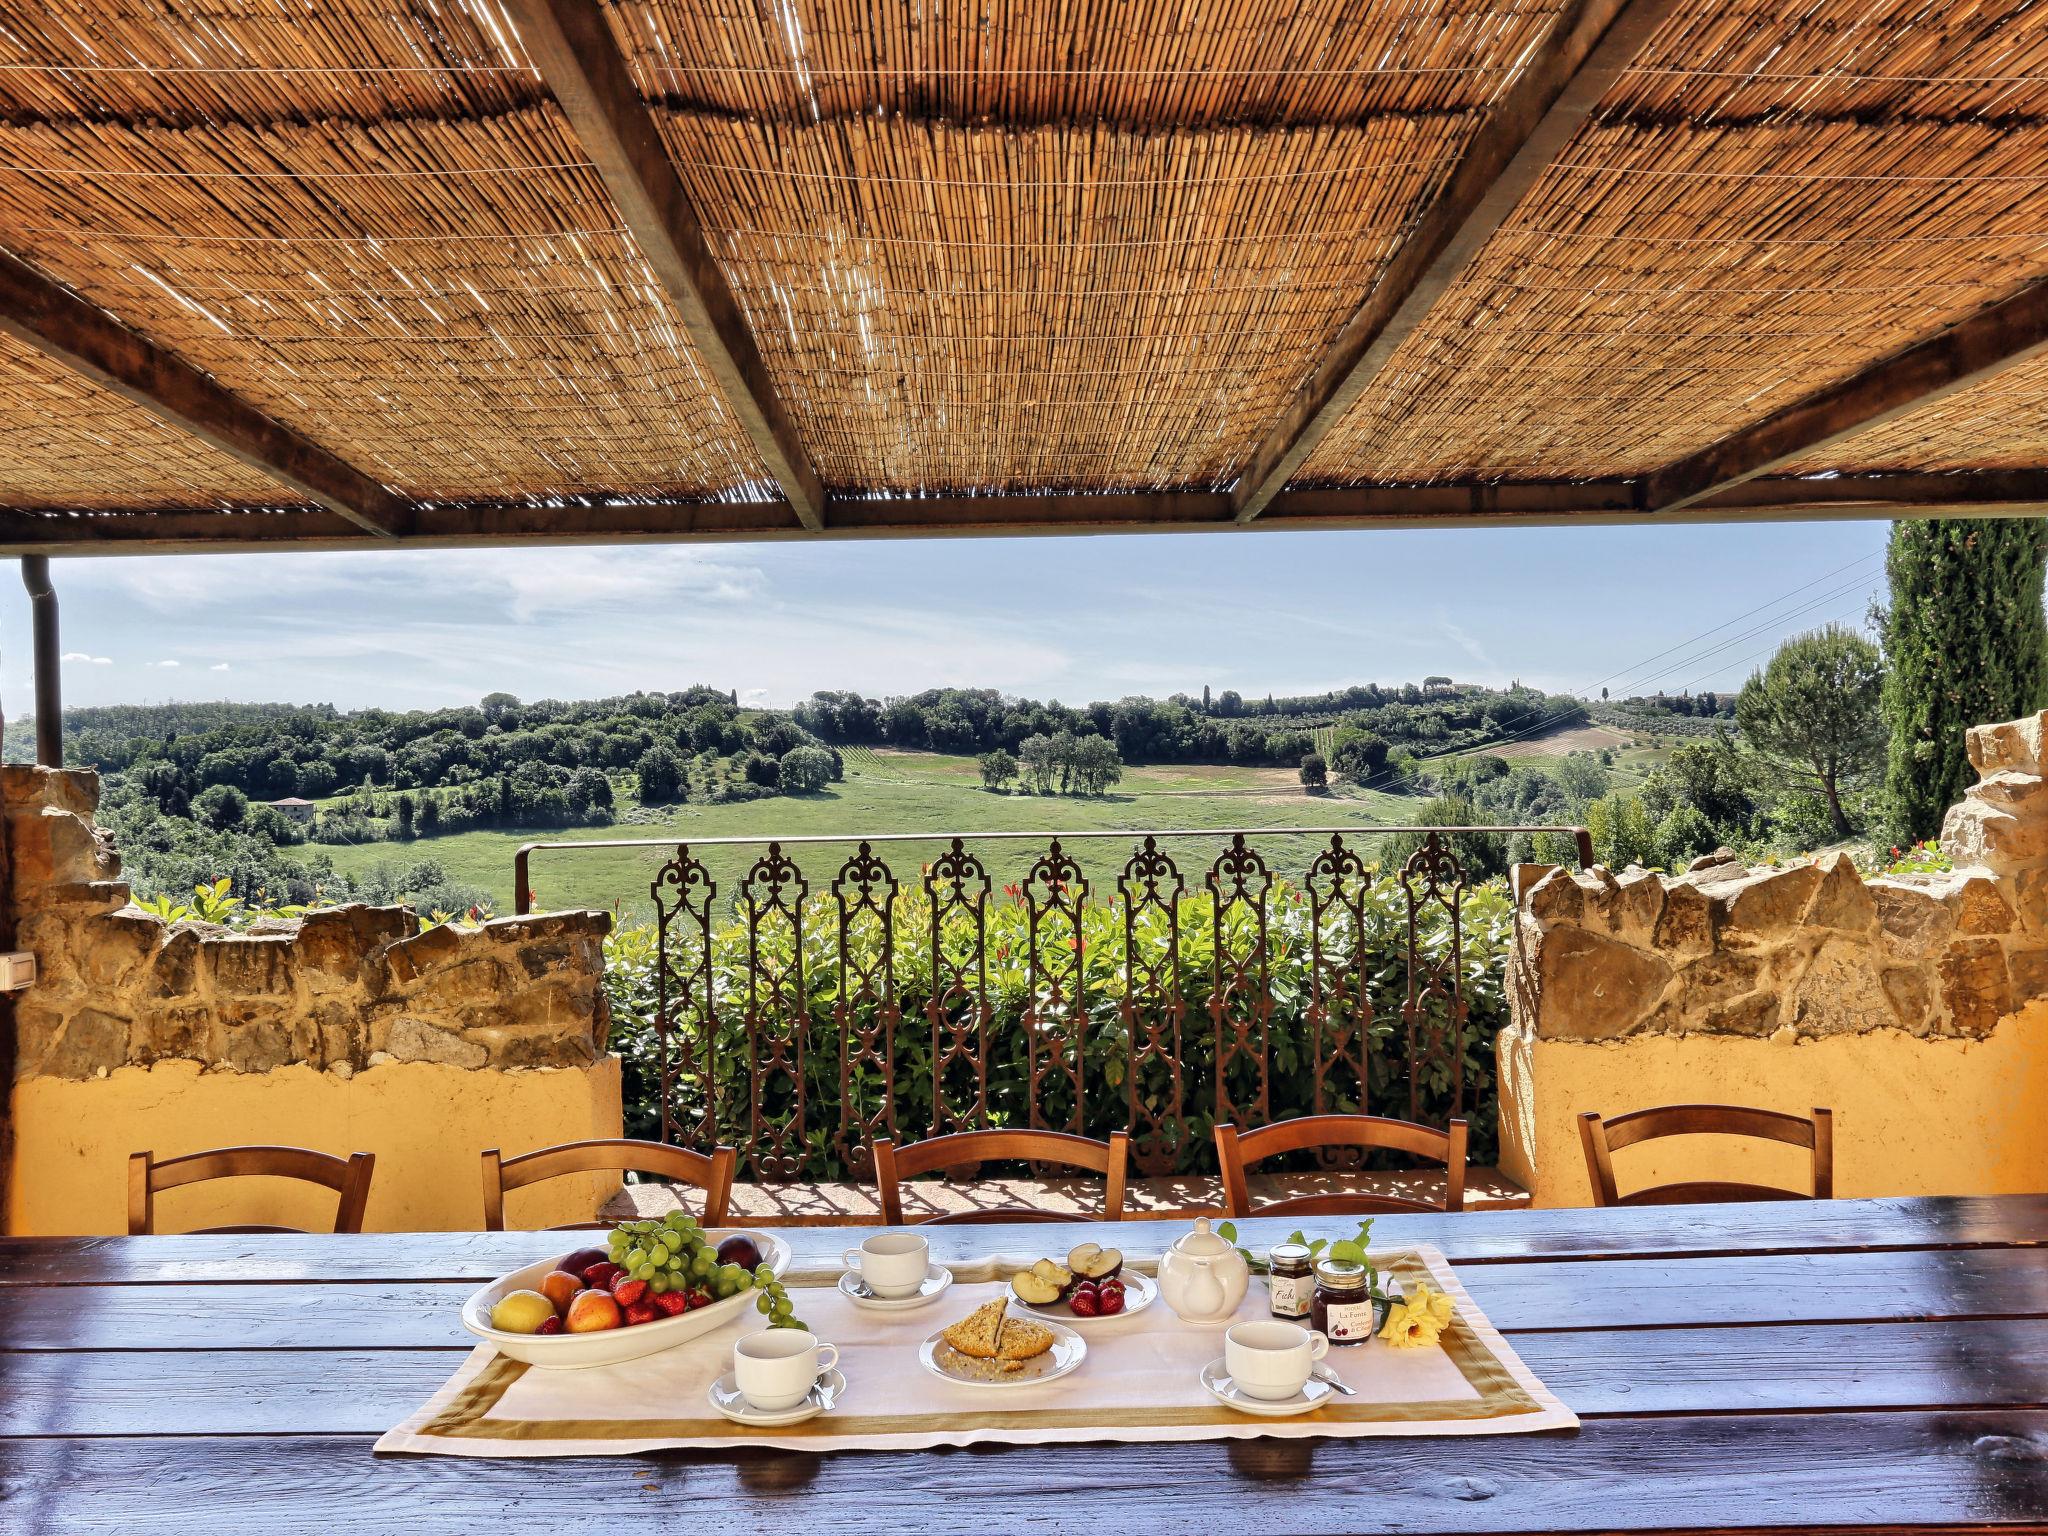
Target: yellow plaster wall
column 1912, row 1116
column 426, row 1123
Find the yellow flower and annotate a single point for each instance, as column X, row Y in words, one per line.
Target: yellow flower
column 1416, row 1321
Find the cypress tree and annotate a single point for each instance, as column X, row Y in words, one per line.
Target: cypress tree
column 1965, row 644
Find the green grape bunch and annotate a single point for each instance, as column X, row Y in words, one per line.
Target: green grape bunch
column 673, row 1254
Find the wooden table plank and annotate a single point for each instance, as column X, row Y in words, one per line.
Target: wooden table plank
column 1473, row 1237
column 1575, row 1295
column 1927, row 1470
column 1751, row 1370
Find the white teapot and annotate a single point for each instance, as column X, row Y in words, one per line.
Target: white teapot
column 1203, row 1278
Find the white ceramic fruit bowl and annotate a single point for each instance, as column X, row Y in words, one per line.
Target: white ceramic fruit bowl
column 576, row 1351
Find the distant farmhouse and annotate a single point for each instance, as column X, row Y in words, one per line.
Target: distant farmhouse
column 294, row 807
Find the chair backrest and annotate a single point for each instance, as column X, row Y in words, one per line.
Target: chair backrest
column 348, row 1177
column 1601, row 1138
column 711, row 1173
column 1237, row 1150
column 893, row 1164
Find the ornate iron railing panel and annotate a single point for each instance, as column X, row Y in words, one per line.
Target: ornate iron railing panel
column 747, row 1054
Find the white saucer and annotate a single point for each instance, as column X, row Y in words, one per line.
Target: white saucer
column 1068, row 1350
column 1227, row 1392
column 855, row 1290
column 725, row 1397
column 1140, row 1291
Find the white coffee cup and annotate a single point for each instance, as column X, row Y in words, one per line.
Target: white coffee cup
column 1272, row 1360
column 891, row 1263
column 777, row 1367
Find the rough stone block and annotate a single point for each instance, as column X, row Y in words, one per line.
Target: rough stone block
column 174, row 972
column 1557, row 897
column 1996, row 836
column 409, row 959
column 2009, row 745
column 239, row 966
column 1594, row 988
column 1978, row 906
column 93, row 1041
column 548, row 925
column 415, row 1040
column 1843, row 901
column 1686, row 925
column 1913, row 920
column 2028, row 970
column 26, row 786
column 112, row 950
column 1975, row 985
column 1840, row 993
column 255, row 1036
column 1764, row 904
column 1909, row 990
column 55, row 847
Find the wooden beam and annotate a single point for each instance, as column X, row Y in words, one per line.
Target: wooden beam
column 1554, row 94
column 2002, row 336
column 572, row 45
column 71, row 330
column 1530, row 504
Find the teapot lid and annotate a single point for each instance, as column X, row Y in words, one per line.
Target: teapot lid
column 1202, row 1243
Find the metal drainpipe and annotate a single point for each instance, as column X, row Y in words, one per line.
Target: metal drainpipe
column 35, row 575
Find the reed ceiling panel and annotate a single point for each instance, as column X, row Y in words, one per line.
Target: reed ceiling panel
column 2001, row 423
column 1000, row 247
column 1128, row 63
column 66, row 443
column 1765, row 203
column 372, row 223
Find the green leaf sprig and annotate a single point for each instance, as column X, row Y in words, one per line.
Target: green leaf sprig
column 1351, row 1250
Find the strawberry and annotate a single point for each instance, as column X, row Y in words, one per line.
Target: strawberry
column 642, row 1312
column 1109, row 1300
column 599, row 1276
column 672, row 1303
column 1085, row 1302
column 627, row 1291
column 700, row 1298
column 552, row 1325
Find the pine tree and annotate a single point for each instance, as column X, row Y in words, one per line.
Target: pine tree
column 1965, row 644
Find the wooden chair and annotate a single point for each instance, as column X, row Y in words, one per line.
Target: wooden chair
column 893, row 1164
column 712, row 1174
column 1237, row 1150
column 348, row 1177
column 1601, row 1138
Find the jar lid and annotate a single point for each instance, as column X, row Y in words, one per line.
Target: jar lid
column 1288, row 1253
column 1345, row 1274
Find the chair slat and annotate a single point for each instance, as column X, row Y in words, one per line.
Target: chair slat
column 348, row 1176
column 1600, row 1138
column 711, row 1172
column 964, row 1149
column 1238, row 1150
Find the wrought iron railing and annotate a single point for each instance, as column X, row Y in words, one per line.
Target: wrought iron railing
column 745, row 994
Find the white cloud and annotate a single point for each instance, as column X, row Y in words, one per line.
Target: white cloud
column 218, row 666
column 97, row 661
column 163, row 663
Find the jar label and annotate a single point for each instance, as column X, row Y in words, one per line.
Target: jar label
column 1348, row 1322
column 1291, row 1295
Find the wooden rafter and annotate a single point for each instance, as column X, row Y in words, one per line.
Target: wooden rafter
column 1557, row 91
column 71, row 330
column 1984, row 493
column 1992, row 340
column 572, row 45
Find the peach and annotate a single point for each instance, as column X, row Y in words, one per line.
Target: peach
column 593, row 1312
column 560, row 1287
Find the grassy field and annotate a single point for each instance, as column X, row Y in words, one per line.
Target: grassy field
column 903, row 792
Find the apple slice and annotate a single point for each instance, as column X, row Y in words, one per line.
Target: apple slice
column 1033, row 1289
column 1092, row 1261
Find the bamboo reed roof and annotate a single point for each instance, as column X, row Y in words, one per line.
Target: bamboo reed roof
column 471, row 270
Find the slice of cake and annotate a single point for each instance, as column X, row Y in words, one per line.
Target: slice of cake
column 980, row 1333
column 1020, row 1340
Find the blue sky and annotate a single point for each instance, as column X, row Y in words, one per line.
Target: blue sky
column 1074, row 619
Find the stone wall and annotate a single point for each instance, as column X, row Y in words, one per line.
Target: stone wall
column 1643, row 988
column 338, row 994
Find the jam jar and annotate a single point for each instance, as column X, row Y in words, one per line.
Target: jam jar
column 1342, row 1310
column 1290, row 1281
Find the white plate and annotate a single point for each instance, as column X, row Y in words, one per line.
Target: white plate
column 1226, row 1391
column 936, row 1280
column 1068, row 1350
column 727, row 1399
column 1140, row 1291
column 575, row 1351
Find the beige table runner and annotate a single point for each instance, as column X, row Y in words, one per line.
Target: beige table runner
column 1140, row 1381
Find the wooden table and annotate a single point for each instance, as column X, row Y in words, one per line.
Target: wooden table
column 1857, row 1364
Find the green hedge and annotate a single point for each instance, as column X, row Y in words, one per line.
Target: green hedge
column 1487, row 924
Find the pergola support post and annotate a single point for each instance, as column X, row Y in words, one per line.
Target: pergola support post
column 35, row 575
